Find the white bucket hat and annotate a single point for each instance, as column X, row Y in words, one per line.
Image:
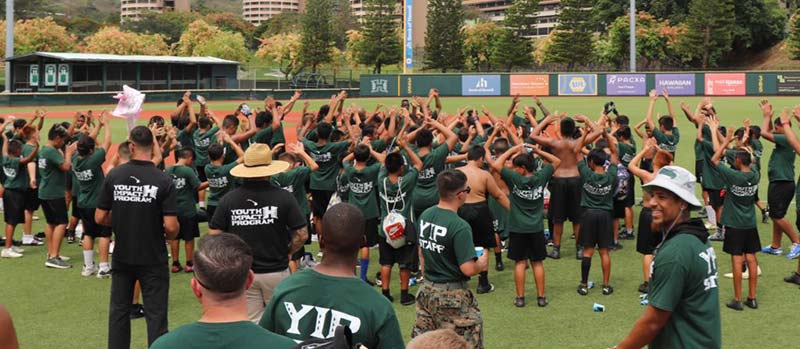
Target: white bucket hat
column 678, row 181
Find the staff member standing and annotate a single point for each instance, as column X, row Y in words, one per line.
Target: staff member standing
column 267, row 218
column 443, row 299
column 684, row 297
column 144, row 198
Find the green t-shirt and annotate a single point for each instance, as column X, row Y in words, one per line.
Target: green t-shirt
column 294, row 181
column 327, row 157
column 88, row 171
column 201, row 141
column 301, row 310
column 626, row 153
column 738, row 209
column 53, row 183
column 667, row 142
column 597, row 190
column 527, row 199
column 781, row 162
column 711, row 179
column 16, row 173
column 425, row 193
column 684, row 282
column 27, row 149
column 220, row 181
column 227, row 335
column 362, row 185
column 446, row 243
column 758, row 150
column 396, row 196
column 230, row 154
column 264, row 136
column 278, row 136
column 184, row 139
column 186, row 183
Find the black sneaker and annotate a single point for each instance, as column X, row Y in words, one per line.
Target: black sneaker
column 794, row 278
column 644, row 287
column 625, row 236
column 519, row 302
column 556, row 253
column 369, row 282
column 499, row 266
column 137, row 311
column 541, row 302
column 407, row 299
column 607, row 290
column 751, row 303
column 735, row 305
column 485, row 288
column 583, row 289
column 389, row 297
column 41, row 235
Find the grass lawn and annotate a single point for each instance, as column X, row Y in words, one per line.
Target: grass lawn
column 59, row 308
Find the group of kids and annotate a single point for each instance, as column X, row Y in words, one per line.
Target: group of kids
column 386, row 163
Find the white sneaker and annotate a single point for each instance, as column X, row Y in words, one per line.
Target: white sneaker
column 17, row 249
column 9, row 253
column 88, row 270
column 104, row 273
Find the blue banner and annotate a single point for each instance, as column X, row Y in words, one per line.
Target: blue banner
column 577, row 85
column 480, row 85
column 409, row 37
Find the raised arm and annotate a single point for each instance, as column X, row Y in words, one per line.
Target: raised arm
column 766, row 123
column 106, row 130
column 787, row 128
column 192, row 117
column 541, row 106
column 451, row 137
column 633, row 166
column 650, row 108
column 500, row 162
column 665, row 94
column 416, row 162
column 720, row 151
column 552, row 159
column 494, row 190
column 299, row 150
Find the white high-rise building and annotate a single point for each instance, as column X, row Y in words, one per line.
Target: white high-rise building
column 132, row 9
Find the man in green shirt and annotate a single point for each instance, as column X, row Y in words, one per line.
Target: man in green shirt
column 526, row 216
column 52, row 165
column 15, row 184
column 443, row 300
column 301, row 311
column 433, row 163
column 218, row 172
column 221, row 276
column 187, row 185
column 683, row 309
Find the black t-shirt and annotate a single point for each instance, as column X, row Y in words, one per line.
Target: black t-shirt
column 138, row 195
column 263, row 216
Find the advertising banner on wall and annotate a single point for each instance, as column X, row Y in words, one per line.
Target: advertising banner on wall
column 33, row 75
column 577, row 85
column 626, row 85
column 50, row 74
column 480, row 85
column 789, row 84
column 529, row 85
column 676, row 84
column 725, row 84
column 408, row 40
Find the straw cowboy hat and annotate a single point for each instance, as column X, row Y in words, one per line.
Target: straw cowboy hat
column 258, row 163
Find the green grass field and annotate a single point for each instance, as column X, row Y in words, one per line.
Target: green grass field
column 59, row 308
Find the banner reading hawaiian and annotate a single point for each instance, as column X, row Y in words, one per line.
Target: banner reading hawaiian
column 480, row 85
column 726, row 84
column 577, row 85
column 530, row 85
column 626, row 85
column 676, row 84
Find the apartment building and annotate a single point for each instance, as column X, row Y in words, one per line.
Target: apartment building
column 495, row 10
column 132, row 9
column 259, row 11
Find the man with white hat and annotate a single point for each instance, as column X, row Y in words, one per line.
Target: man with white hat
column 268, row 218
column 683, row 310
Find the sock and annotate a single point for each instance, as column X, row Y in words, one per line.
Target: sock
column 483, row 278
column 88, row 258
column 630, row 231
column 364, row 266
column 586, row 264
column 386, row 293
column 404, row 293
column 498, row 257
column 104, row 266
column 189, row 263
column 27, row 237
column 202, row 204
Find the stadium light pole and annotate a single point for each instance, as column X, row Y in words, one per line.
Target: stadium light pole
column 9, row 40
column 633, row 37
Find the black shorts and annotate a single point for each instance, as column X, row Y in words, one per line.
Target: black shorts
column 371, row 232
column 619, row 209
column 565, row 198
column 32, row 201
column 779, row 196
column 741, row 241
column 189, row 229
column 210, row 212
column 55, row 211
column 715, row 198
column 14, row 206
column 527, row 246
column 319, row 201
column 74, row 207
column 480, row 219
column 698, row 170
column 90, row 226
column 201, row 173
column 630, row 199
column 596, row 229
column 389, row 255
column 646, row 239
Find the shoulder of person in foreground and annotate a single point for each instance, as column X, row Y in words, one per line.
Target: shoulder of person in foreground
column 249, row 334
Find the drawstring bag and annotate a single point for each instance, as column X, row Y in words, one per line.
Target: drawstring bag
column 394, row 224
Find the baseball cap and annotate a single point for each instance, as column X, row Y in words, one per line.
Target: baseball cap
column 678, row 181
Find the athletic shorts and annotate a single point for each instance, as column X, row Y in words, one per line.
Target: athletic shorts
column 698, row 170
column 371, row 232
column 55, row 211
column 527, row 246
column 201, row 173
column 32, row 201
column 90, row 226
column 646, row 239
column 210, row 212
column 596, row 229
column 565, row 198
column 630, row 199
column 779, row 196
column 619, row 209
column 189, row 229
column 479, row 217
column 74, row 207
column 14, row 206
column 715, row 197
column 389, row 255
column 319, row 201
column 741, row 241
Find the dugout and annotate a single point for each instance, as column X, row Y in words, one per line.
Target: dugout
column 89, row 72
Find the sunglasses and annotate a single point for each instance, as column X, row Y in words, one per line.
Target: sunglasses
column 465, row 190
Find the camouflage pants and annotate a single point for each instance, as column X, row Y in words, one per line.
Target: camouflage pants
column 453, row 309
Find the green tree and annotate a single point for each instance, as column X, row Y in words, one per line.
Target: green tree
column 572, row 43
column 26, row 9
column 513, row 44
column 444, row 35
column 674, row 10
column 317, row 34
column 655, row 42
column 479, row 45
column 170, row 24
column 203, row 39
column 113, row 41
column 793, row 41
column 38, row 34
column 230, row 22
column 380, row 42
column 284, row 23
column 759, row 24
column 709, row 32
column 343, row 21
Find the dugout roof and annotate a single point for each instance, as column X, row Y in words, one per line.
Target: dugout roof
column 97, row 57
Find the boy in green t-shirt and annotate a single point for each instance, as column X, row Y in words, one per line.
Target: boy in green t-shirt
column 218, row 173
column 187, row 184
column 16, row 182
column 666, row 134
column 52, row 164
column 202, row 138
